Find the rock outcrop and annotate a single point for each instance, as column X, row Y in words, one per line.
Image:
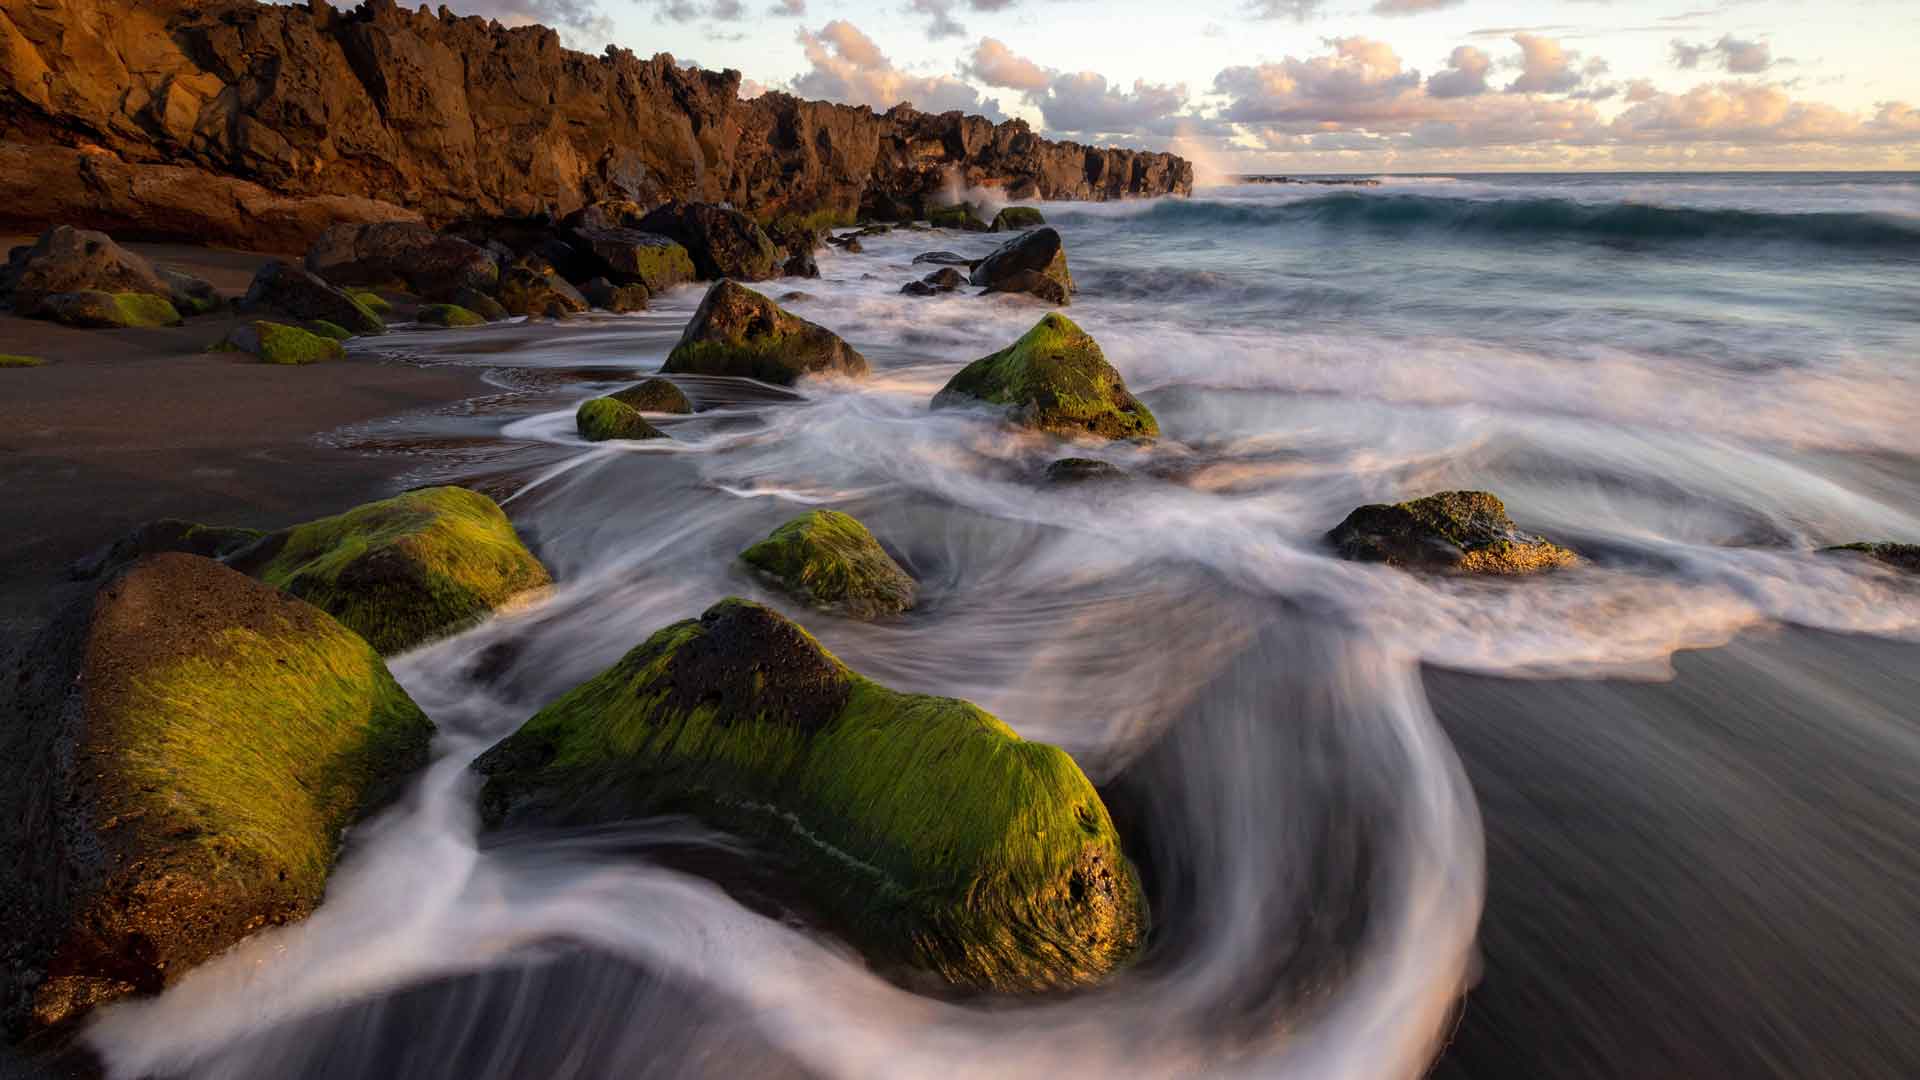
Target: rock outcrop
column 829, row 560
column 926, row 829
column 262, row 125
column 1054, row 379
column 1465, row 532
column 180, row 759
column 739, row 332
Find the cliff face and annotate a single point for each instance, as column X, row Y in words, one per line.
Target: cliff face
column 253, row 125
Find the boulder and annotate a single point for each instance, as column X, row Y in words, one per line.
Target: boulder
column 1016, row 219
column 181, row 757
column 373, row 301
column 801, row 264
column 828, row 559
column 448, row 315
column 164, row 535
column 402, row 571
column 325, row 329
column 107, row 311
column 537, row 290
column 406, row 253
column 288, row 289
column 603, row 418
column 619, row 299
column 1465, row 532
column 66, row 260
column 927, row 830
column 190, row 295
column 1076, row 470
column 1053, row 379
column 276, row 343
column 945, row 258
column 964, row 216
column 633, row 257
column 723, row 243
column 1034, row 262
column 739, row 332
column 944, row 280
column 654, row 395
column 1899, row 556
column 480, row 304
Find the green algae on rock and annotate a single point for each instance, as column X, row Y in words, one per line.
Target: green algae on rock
column 1899, row 556
column 372, row 301
column 1016, row 218
column 1055, row 379
column 739, row 332
column 931, row 833
column 828, row 559
column 275, row 343
column 327, row 329
column 95, row 310
column 191, row 745
column 448, row 315
column 962, row 216
column 654, row 395
column 11, row 360
column 1466, row 532
column 402, row 571
column 604, row 418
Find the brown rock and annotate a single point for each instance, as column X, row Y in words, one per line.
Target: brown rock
column 741, row 333
column 402, row 253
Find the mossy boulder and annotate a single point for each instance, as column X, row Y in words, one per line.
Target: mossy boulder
column 1054, row 379
column 1016, row 218
column 1899, row 556
column 631, row 257
column 276, row 343
column 828, row 559
column 288, row 289
column 964, row 216
column 452, row 316
column 739, row 332
column 182, row 754
column 191, row 295
column 12, row 360
column 654, row 395
column 928, row 831
column 108, row 311
column 331, row 330
column 480, row 304
column 536, row 290
column 372, row 301
column 405, row 570
column 69, row 260
column 604, row 418
column 1465, row 532
column 1035, row 262
column 722, row 243
column 619, row 299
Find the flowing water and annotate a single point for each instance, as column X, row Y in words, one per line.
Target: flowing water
column 1689, row 862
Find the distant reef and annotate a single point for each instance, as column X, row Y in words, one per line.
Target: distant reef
column 257, row 126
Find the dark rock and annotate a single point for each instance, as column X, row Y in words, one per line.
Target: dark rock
column 801, row 264
column 634, row 257
column 1017, row 218
column 1053, row 379
column 618, row 299
column 919, row 288
column 724, row 243
column 69, row 260
column 1899, row 556
column 288, row 289
column 539, row 290
column 180, row 761
column 605, row 418
column 480, row 304
column 1034, row 262
column 964, row 216
column 795, row 296
column 739, row 332
column 190, row 295
column 944, row 280
column 107, row 311
column 1074, row 470
column 451, row 316
column 654, row 395
column 403, row 253
column 1461, row 531
column 164, row 535
column 945, row 258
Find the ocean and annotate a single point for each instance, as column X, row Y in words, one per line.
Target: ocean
column 1652, row 816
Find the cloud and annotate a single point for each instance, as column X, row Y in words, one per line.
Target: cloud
column 1361, row 79
column 579, row 21
column 1750, row 113
column 996, row 65
column 940, row 22
column 1546, row 67
column 1464, row 76
column 794, row 8
column 1297, row 10
column 846, row 66
column 1729, row 53
column 1082, row 102
column 1412, row 7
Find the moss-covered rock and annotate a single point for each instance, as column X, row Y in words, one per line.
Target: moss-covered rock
column 448, row 315
column 930, row 832
column 331, row 330
column 372, row 301
column 1465, row 532
column 11, row 360
column 276, row 343
column 190, row 295
column 481, row 304
column 654, row 395
column 537, row 290
column 1899, row 556
column 108, row 311
column 604, row 418
column 289, row 289
column 181, row 758
column 964, row 216
column 1077, row 470
column 653, row 262
column 828, row 559
column 723, row 243
column 1055, row 379
column 405, row 570
column 1016, row 218
column 1035, row 262
column 69, row 260
column 739, row 332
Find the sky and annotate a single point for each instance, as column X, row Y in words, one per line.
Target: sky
column 1306, row 86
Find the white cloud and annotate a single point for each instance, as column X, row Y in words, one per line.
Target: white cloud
column 846, row 66
column 1465, row 74
column 1412, row 7
column 996, row 65
column 1729, row 53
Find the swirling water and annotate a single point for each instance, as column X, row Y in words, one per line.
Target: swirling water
column 1326, row 770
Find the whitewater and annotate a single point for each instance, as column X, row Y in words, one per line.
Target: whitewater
column 1649, row 816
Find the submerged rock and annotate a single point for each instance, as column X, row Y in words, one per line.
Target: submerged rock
column 1077, row 470
column 1899, row 556
column 604, row 418
column 1034, row 263
column 92, row 310
column 449, row 315
column 69, row 260
column 1466, row 532
column 654, row 395
column 944, row 258
column 944, row 280
column 275, row 343
column 739, row 332
column 183, row 754
column 930, row 832
column 1016, row 218
column 404, row 253
column 1054, row 379
column 723, row 243
column 963, row 216
column 402, row 571
column 801, row 264
column 828, row 559
column 290, row 290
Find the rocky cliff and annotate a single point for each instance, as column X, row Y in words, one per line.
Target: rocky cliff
column 256, row 125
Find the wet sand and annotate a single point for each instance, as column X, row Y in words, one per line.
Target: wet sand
column 124, row 426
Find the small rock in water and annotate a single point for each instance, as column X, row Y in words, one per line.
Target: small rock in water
column 1016, row 218
column 1465, row 532
column 1034, row 263
column 828, row 559
column 1054, row 379
column 606, row 418
column 944, row 258
column 739, row 332
column 1076, row 470
column 1899, row 556
column 654, row 395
